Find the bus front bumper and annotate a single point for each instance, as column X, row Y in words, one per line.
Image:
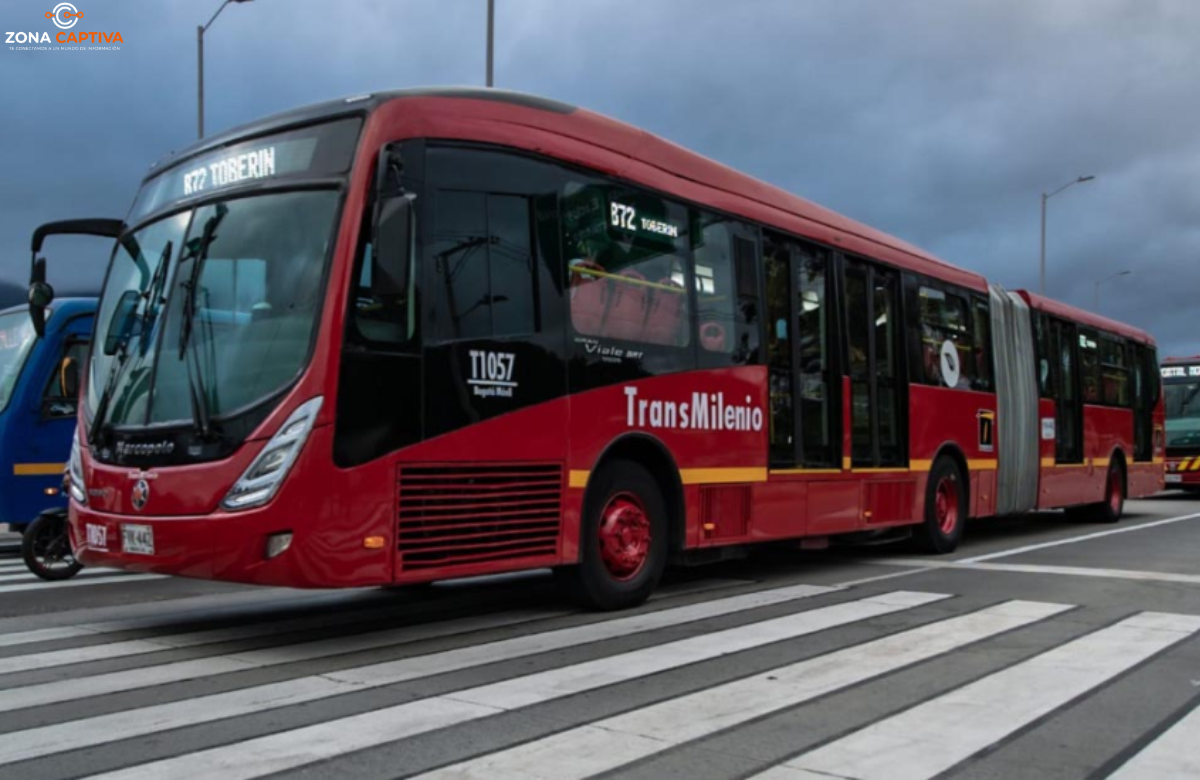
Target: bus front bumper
column 225, row 547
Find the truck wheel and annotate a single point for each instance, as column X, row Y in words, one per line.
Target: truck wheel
column 945, row 509
column 623, row 539
column 46, row 547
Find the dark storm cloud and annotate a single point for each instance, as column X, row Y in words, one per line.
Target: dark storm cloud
column 940, row 121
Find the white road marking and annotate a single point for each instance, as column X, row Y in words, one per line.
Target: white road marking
column 1066, row 571
column 28, row 576
column 930, row 738
column 611, row 743
column 295, row 748
column 1128, row 529
column 1173, row 754
column 42, row 585
column 44, row 635
column 97, row 730
column 162, row 674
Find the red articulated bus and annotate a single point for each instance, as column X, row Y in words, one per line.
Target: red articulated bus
column 1181, row 386
column 440, row 333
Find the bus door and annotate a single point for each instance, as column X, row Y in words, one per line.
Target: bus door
column 804, row 387
column 877, row 411
column 495, row 304
column 1068, row 409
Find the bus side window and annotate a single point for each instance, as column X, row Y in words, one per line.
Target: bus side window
column 1089, row 365
column 483, row 260
column 725, row 261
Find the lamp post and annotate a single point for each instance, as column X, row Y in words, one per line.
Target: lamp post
column 1046, row 197
column 200, row 66
column 1098, row 282
column 491, row 29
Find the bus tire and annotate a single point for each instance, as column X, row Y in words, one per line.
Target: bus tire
column 1110, row 509
column 623, row 539
column 945, row 509
column 46, row 548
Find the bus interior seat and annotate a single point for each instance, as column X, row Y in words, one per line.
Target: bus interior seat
column 665, row 319
column 627, row 311
column 712, row 336
column 590, row 297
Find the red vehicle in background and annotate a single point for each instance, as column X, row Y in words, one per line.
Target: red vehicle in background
column 1181, row 386
column 439, row 333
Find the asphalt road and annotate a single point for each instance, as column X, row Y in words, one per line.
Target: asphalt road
column 1043, row 648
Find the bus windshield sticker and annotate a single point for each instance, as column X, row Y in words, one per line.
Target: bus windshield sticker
column 608, row 353
column 1048, row 429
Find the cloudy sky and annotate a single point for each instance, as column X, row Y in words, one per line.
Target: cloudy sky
column 939, row 121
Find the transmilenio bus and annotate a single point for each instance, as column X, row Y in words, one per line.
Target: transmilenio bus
column 1181, row 386
column 436, row 333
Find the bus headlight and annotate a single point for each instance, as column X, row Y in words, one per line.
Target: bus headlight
column 266, row 473
column 75, row 483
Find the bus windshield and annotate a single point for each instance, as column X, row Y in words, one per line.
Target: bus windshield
column 16, row 341
column 1183, row 414
column 253, row 267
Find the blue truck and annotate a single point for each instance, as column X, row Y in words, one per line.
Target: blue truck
column 39, row 386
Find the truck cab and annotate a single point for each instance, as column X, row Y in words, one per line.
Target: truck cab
column 39, row 386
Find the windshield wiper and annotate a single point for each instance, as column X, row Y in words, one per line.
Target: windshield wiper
column 99, row 419
column 197, row 251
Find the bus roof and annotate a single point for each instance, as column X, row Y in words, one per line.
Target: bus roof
column 1068, row 312
column 491, row 114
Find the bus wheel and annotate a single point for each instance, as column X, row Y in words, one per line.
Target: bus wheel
column 1110, row 509
column 623, row 539
column 47, row 548
column 945, row 509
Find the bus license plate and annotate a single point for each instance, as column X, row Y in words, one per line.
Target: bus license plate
column 1174, row 478
column 137, row 539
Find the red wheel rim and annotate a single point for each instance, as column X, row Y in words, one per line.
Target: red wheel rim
column 945, row 504
column 1115, row 490
column 624, row 536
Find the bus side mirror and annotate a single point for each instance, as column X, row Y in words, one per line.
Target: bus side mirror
column 390, row 258
column 41, row 295
column 391, row 226
column 120, row 326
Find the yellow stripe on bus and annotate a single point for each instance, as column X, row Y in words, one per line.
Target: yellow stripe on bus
column 38, row 469
column 715, row 476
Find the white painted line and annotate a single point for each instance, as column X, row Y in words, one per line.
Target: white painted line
column 42, row 585
column 28, row 576
column 930, row 738
column 1173, row 754
column 118, row 682
column 97, row 730
column 1066, row 571
column 608, row 744
column 43, row 635
column 298, row 747
column 1128, row 529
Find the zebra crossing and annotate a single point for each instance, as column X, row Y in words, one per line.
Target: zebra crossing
column 15, row 577
column 540, row 691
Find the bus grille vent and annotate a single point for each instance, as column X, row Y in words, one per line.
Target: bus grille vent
column 463, row 514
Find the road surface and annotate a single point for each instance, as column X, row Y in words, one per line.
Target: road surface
column 1043, row 648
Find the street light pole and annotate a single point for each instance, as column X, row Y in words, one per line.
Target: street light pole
column 1046, row 197
column 200, row 30
column 491, row 29
column 1098, row 282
